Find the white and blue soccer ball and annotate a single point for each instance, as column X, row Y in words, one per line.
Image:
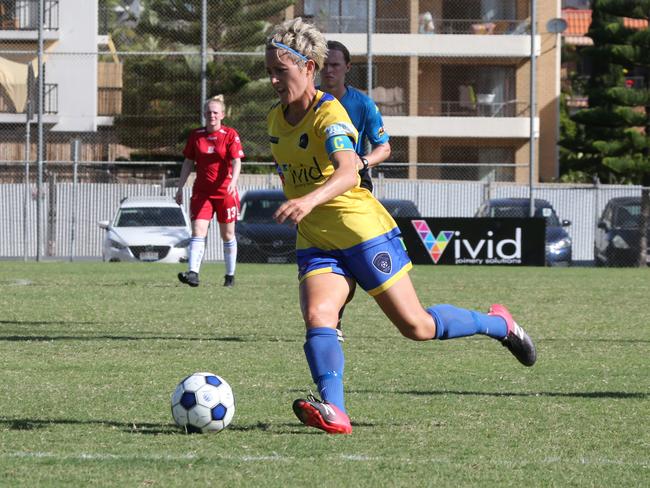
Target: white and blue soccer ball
column 203, row 402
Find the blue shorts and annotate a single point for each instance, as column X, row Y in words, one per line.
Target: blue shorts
column 375, row 264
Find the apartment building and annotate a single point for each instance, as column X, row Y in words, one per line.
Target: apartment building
column 82, row 92
column 452, row 78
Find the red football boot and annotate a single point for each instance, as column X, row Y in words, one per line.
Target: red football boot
column 322, row 415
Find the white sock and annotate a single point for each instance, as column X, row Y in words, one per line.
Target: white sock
column 230, row 256
column 197, row 248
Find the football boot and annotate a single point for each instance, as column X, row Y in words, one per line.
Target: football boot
column 516, row 340
column 189, row 278
column 322, row 415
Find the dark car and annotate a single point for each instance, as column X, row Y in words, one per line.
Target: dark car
column 400, row 208
column 618, row 233
column 262, row 240
column 558, row 241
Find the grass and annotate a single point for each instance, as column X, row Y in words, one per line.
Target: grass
column 91, row 352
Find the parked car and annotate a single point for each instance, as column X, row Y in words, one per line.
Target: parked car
column 147, row 229
column 558, row 241
column 400, row 208
column 262, row 240
column 618, row 233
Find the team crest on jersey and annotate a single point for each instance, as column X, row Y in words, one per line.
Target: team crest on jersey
column 210, row 149
column 304, row 141
column 382, row 262
column 381, row 132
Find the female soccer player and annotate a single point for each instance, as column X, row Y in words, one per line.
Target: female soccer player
column 345, row 236
column 216, row 151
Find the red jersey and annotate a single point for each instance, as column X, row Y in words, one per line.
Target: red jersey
column 212, row 153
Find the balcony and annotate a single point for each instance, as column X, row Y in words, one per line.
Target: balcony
column 460, row 127
column 10, row 115
column 22, row 15
column 485, row 106
column 468, row 28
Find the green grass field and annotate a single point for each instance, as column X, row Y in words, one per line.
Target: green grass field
column 91, row 352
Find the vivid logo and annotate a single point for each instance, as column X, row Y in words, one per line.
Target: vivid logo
column 435, row 245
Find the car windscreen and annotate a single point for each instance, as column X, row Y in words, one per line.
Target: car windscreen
column 150, row 217
column 404, row 208
column 522, row 212
column 261, row 210
column 628, row 217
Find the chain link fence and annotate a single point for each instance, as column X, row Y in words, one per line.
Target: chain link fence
column 604, row 221
column 102, row 110
column 129, row 79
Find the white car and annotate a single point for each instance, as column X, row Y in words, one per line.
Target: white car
column 154, row 229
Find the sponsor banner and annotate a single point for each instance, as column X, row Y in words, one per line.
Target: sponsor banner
column 481, row 241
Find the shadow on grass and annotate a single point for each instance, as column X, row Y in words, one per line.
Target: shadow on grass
column 560, row 394
column 159, row 429
column 46, row 338
column 50, row 338
column 46, row 322
column 136, row 428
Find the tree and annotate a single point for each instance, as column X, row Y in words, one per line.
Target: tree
column 162, row 92
column 615, row 137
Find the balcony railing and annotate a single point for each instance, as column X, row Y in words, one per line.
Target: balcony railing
column 23, row 15
column 50, row 102
column 480, row 27
column 383, row 25
column 51, row 98
column 510, row 108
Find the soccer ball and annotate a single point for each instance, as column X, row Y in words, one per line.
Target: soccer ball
column 203, row 402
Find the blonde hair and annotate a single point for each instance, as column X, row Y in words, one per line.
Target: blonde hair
column 217, row 98
column 302, row 37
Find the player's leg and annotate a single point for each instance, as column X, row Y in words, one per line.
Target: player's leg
column 321, row 298
column 402, row 306
column 200, row 214
column 382, row 270
column 227, row 210
column 339, row 324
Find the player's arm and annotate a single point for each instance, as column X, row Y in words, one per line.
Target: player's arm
column 377, row 155
column 345, row 177
column 377, row 136
column 236, row 170
column 186, row 169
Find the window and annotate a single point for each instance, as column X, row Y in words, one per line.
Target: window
column 151, row 217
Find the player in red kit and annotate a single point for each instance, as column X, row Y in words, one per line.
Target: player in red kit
column 215, row 152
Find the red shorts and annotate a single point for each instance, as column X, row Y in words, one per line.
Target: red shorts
column 203, row 207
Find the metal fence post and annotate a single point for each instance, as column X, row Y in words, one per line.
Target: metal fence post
column 40, row 147
column 26, row 193
column 533, row 82
column 76, row 146
column 204, row 57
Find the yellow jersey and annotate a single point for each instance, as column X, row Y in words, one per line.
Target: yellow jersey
column 301, row 153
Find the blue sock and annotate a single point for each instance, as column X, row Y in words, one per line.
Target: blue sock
column 452, row 322
column 325, row 358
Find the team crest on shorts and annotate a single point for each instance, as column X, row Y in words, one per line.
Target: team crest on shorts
column 382, row 262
